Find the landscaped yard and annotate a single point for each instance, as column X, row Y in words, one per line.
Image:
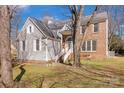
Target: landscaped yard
column 93, row 73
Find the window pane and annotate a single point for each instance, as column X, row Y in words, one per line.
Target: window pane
column 96, row 27
column 83, row 29
column 83, row 46
column 37, row 44
column 88, row 45
column 30, row 29
column 94, row 45
column 23, row 45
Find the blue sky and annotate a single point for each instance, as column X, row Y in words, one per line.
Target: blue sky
column 59, row 12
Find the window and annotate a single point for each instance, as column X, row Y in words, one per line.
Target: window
column 96, row 27
column 82, row 29
column 89, row 45
column 37, row 44
column 23, row 45
column 93, row 45
column 30, row 29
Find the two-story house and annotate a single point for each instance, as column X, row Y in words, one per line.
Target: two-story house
column 95, row 42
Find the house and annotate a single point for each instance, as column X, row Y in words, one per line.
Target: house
column 41, row 41
column 36, row 41
column 95, row 43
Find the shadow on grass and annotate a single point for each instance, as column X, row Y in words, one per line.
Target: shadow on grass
column 112, row 70
column 92, row 78
column 18, row 78
column 68, row 64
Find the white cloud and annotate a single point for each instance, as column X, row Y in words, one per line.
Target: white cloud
column 25, row 7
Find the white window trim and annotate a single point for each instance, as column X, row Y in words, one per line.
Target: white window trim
column 40, row 45
column 28, row 29
column 91, row 45
column 34, row 45
column 21, row 45
column 86, row 47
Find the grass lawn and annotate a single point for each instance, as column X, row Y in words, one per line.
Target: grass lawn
column 93, row 73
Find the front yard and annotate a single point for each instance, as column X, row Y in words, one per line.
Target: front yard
column 93, row 73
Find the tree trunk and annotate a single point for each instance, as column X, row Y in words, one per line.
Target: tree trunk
column 76, row 23
column 76, row 44
column 6, row 65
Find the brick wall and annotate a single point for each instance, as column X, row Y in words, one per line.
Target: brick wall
column 100, row 37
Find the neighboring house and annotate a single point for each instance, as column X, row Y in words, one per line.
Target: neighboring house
column 37, row 39
column 96, row 37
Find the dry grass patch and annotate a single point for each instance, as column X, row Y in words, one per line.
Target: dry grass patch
column 93, row 73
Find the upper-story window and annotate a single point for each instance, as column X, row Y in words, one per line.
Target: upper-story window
column 30, row 29
column 82, row 29
column 96, row 27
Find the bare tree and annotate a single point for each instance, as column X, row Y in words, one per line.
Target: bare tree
column 77, row 15
column 7, row 13
column 6, row 66
column 76, row 12
column 15, row 24
column 115, row 15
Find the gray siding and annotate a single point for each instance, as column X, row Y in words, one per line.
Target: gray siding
column 53, row 49
column 47, row 48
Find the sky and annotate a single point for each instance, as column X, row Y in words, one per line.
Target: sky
column 58, row 12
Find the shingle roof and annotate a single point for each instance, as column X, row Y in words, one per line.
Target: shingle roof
column 43, row 27
column 98, row 17
column 47, row 29
column 50, row 30
column 55, row 26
